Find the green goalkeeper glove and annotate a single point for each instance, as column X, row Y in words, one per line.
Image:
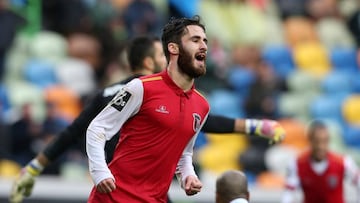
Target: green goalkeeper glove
column 269, row 129
column 23, row 185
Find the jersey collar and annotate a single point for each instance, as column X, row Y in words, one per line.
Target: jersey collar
column 165, row 75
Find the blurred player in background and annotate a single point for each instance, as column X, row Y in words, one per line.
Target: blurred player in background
column 319, row 172
column 145, row 56
column 232, row 187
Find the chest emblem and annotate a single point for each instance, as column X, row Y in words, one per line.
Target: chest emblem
column 196, row 122
column 332, row 181
column 162, row 109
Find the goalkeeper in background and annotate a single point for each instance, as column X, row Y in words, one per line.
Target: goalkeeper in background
column 145, row 56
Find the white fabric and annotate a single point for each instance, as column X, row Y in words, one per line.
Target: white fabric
column 320, row 166
column 106, row 124
column 351, row 174
column 112, row 90
column 76, row 75
column 185, row 167
column 239, row 200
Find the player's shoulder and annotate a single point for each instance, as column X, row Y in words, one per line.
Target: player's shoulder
column 337, row 158
column 303, row 156
column 200, row 97
column 151, row 78
column 199, row 94
column 114, row 88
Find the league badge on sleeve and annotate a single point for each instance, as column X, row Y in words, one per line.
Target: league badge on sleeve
column 121, row 100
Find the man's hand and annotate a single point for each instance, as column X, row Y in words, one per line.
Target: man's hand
column 269, row 129
column 22, row 186
column 106, row 186
column 192, row 185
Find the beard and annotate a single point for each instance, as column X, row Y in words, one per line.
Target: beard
column 186, row 64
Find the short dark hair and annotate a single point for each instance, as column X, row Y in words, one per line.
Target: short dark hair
column 175, row 29
column 232, row 184
column 140, row 48
column 314, row 126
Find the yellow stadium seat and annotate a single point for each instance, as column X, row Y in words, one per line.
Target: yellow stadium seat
column 222, row 152
column 351, row 110
column 9, row 169
column 312, row 57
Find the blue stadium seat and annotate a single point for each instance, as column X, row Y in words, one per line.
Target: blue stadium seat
column 226, row 103
column 356, row 83
column 187, row 8
column 337, row 82
column 344, row 59
column 40, row 73
column 280, row 58
column 327, row 107
column 4, row 99
column 351, row 136
column 240, row 79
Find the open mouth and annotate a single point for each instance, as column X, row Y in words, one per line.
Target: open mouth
column 200, row 56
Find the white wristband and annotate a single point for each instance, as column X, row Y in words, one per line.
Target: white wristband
column 250, row 126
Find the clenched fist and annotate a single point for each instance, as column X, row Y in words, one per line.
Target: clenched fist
column 106, row 186
column 192, row 185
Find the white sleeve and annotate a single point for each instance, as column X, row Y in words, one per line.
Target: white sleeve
column 352, row 174
column 107, row 123
column 185, row 167
column 292, row 183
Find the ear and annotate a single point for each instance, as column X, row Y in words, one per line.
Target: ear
column 173, row 48
column 148, row 63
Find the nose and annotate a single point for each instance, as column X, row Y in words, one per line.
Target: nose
column 203, row 46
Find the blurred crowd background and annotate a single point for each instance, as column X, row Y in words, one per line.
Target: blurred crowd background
column 289, row 60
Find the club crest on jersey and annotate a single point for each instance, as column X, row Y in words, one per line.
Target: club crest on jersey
column 196, row 122
column 332, row 181
column 121, row 100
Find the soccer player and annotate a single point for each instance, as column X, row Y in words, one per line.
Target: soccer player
column 159, row 117
column 145, row 56
column 232, row 187
column 319, row 172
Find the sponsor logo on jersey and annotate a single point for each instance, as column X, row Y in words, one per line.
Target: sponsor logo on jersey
column 121, row 100
column 196, row 122
column 162, row 109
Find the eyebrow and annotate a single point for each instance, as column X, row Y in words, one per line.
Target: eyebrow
column 198, row 37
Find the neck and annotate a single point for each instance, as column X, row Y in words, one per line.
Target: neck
column 180, row 79
column 317, row 159
column 142, row 72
